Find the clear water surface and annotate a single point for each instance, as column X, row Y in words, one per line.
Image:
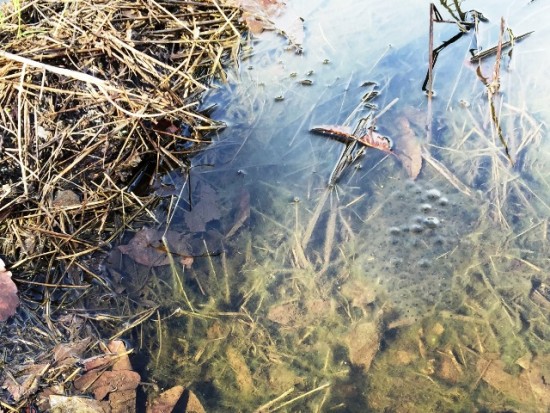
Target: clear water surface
column 365, row 289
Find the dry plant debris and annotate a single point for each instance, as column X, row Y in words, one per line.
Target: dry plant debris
column 260, row 15
column 92, row 94
column 97, row 98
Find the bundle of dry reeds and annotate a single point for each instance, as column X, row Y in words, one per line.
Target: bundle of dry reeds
column 88, row 91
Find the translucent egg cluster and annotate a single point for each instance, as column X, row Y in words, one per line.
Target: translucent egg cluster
column 415, row 234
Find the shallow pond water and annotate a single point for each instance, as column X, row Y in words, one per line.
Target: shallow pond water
column 368, row 289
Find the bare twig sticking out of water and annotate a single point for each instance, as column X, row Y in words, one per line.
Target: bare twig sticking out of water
column 430, row 74
column 435, row 17
column 493, row 50
column 493, row 88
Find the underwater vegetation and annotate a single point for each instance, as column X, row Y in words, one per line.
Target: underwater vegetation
column 325, row 276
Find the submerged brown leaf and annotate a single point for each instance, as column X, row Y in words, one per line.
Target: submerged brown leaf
column 147, row 247
column 76, row 404
column 25, row 382
column 514, row 387
column 363, row 341
column 243, row 375
column 166, row 401
column 204, row 211
column 408, row 148
column 260, row 15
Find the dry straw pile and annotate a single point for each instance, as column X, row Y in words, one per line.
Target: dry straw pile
column 91, row 91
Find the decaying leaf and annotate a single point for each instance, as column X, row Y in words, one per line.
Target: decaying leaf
column 537, row 376
column 123, row 401
column 408, row 148
column 193, row 404
column 286, row 314
column 63, row 404
column 65, row 198
column 260, row 15
column 516, row 388
column 25, row 382
column 8, row 294
column 70, row 353
column 166, row 401
column 243, row 376
column 147, row 247
column 204, row 211
column 114, row 381
column 363, row 341
column 243, row 214
column 368, row 137
column 358, row 294
column 120, row 354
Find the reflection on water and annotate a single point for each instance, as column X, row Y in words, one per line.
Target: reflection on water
column 380, row 292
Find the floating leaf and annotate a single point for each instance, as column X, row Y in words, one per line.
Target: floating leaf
column 8, row 294
column 345, row 134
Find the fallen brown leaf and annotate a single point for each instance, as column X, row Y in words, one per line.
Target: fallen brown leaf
column 97, row 362
column 69, row 353
column 285, row 314
column 243, row 376
column 363, row 341
column 111, row 381
column 166, row 401
column 84, row 382
column 260, row 15
column 123, row 401
column 243, row 213
column 193, row 404
column 25, row 382
column 8, row 294
column 516, row 388
column 122, row 360
column 204, row 211
column 147, row 248
column 77, row 404
column 408, row 148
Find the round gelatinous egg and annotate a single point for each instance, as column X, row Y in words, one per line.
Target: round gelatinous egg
column 433, row 194
column 431, row 222
column 424, row 263
column 416, row 228
column 394, row 231
column 443, row 201
column 426, row 207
